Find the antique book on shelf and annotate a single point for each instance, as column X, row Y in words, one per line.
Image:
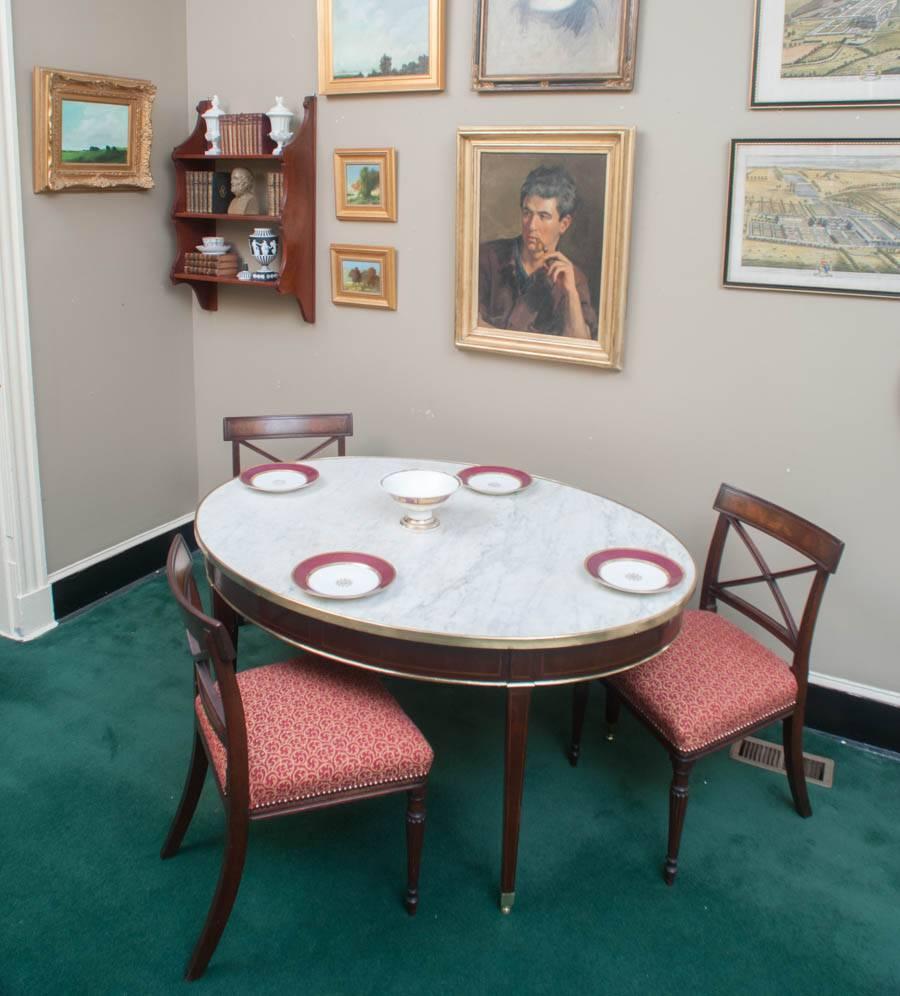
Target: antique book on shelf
column 221, row 195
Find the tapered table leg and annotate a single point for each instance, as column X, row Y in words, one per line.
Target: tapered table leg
column 518, row 700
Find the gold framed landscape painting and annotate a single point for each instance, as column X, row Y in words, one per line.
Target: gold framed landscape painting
column 91, row 132
column 814, row 215
column 380, row 46
column 543, row 228
column 365, row 184
column 365, row 276
column 554, row 45
column 826, row 53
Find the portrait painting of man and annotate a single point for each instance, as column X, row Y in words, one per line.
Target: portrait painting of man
column 541, row 44
column 542, row 241
column 526, row 281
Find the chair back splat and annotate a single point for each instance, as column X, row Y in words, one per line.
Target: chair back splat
column 738, row 509
column 214, row 666
column 247, row 430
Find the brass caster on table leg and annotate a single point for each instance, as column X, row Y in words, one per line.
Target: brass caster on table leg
column 507, row 899
column 610, row 732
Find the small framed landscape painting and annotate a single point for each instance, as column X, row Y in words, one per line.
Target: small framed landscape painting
column 815, row 215
column 364, row 275
column 543, row 222
column 91, row 132
column 554, row 45
column 365, row 184
column 826, row 53
column 380, row 46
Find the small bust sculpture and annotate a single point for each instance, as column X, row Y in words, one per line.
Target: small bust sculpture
column 244, row 200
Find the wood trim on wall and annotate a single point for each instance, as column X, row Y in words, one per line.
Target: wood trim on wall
column 26, row 607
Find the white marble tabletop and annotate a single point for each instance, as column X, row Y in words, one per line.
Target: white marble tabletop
column 500, row 571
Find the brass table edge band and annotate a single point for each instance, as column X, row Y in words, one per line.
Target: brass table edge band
column 474, row 682
column 442, row 639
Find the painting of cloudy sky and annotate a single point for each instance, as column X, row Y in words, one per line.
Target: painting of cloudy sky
column 380, row 37
column 94, row 132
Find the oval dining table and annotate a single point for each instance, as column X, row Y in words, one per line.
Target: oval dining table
column 497, row 596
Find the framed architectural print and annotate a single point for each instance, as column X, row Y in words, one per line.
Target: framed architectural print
column 554, row 45
column 543, row 224
column 91, row 132
column 365, row 276
column 816, row 215
column 826, row 53
column 380, row 46
column 365, row 184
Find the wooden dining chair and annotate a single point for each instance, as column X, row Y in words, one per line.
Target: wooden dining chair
column 247, row 430
column 285, row 738
column 716, row 684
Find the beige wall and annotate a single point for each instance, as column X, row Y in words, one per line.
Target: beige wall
column 110, row 338
column 791, row 396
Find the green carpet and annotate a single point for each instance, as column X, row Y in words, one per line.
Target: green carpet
column 95, row 730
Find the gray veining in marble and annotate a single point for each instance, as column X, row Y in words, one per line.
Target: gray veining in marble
column 499, row 568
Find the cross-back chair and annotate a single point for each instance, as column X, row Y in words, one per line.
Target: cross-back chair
column 247, row 430
column 716, row 684
column 285, row 738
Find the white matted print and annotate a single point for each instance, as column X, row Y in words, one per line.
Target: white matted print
column 810, row 53
column 812, row 215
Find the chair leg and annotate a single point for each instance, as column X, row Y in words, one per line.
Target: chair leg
column 225, row 894
column 613, row 708
column 415, row 834
column 579, row 708
column 678, row 800
column 193, row 786
column 792, row 730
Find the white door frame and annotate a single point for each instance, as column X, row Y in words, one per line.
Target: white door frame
column 26, row 604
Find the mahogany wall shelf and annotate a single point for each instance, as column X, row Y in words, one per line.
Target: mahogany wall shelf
column 296, row 219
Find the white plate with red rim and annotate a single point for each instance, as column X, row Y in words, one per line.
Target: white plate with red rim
column 277, row 478
column 343, row 574
column 637, row 572
column 495, row 480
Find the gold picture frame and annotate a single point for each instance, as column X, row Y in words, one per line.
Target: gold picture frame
column 557, row 289
column 587, row 45
column 94, row 115
column 364, row 276
column 422, row 71
column 365, row 184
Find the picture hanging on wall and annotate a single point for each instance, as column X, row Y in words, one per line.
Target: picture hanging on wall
column 91, row 132
column 543, row 223
column 554, row 45
column 365, row 184
column 826, row 53
column 365, row 276
column 380, row 46
column 816, row 215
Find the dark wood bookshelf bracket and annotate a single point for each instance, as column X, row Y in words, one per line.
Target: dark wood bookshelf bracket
column 297, row 219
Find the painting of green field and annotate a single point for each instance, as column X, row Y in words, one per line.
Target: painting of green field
column 854, row 38
column 93, row 132
column 363, row 184
column 363, row 277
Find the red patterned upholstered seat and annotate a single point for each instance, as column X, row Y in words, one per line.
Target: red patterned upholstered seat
column 314, row 729
column 714, row 680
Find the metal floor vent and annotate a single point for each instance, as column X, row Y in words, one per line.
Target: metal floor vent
column 762, row 754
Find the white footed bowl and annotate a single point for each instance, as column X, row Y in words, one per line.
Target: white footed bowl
column 418, row 491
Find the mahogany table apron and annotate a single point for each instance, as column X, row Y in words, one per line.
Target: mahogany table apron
column 497, row 596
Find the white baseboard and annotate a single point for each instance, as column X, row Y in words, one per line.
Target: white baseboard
column 855, row 688
column 112, row 551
